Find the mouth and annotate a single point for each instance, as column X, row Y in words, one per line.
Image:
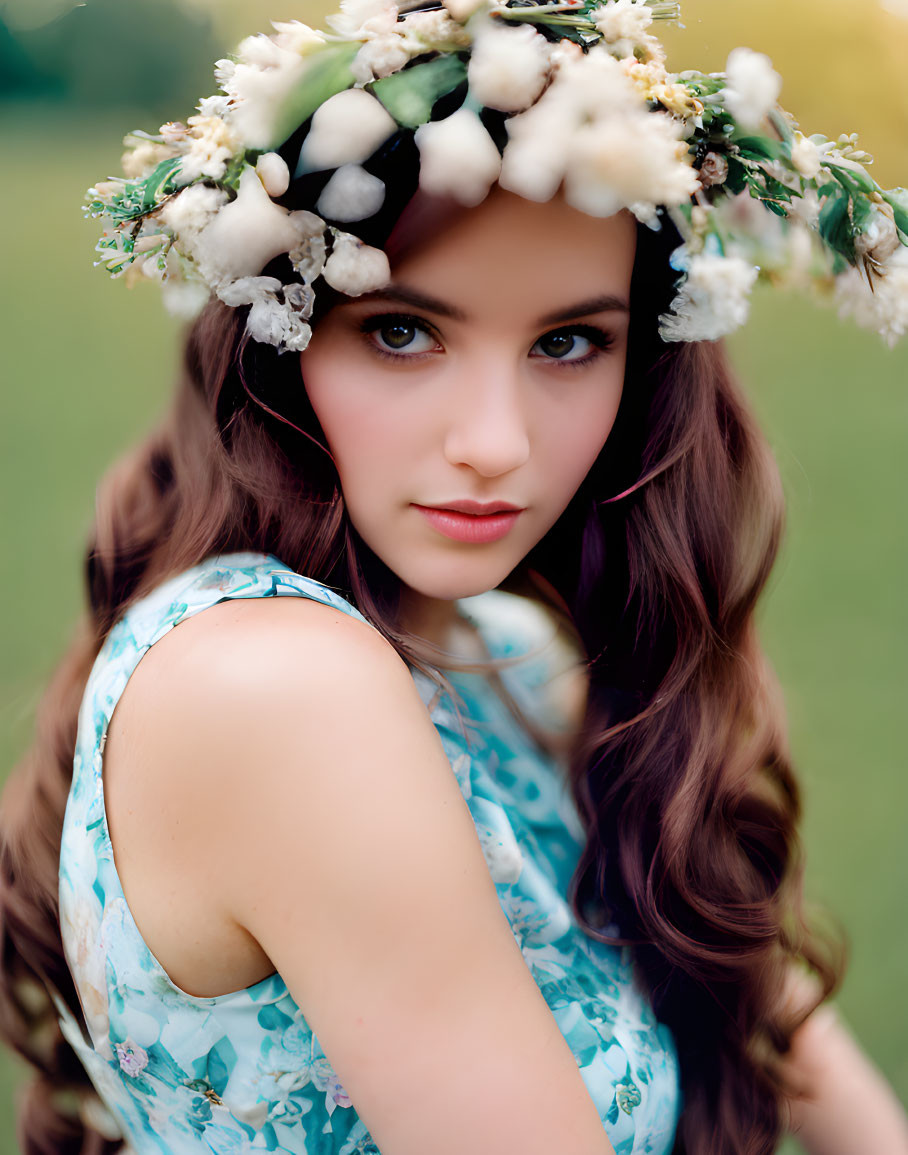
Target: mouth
column 474, row 522
column 475, row 508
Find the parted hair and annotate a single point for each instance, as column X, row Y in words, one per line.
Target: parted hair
column 680, row 770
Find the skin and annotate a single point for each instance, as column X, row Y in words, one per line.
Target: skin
column 397, row 940
column 475, row 405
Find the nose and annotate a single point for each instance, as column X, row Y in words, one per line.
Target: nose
column 488, row 428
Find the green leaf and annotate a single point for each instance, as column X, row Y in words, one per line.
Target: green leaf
column 327, row 74
column 861, row 214
column 897, row 198
column 410, row 95
column 737, row 176
column 759, row 147
column 835, row 225
column 158, row 182
column 850, row 179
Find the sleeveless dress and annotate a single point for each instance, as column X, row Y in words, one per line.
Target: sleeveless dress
column 243, row 1072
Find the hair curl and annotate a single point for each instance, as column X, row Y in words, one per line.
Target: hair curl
column 681, row 769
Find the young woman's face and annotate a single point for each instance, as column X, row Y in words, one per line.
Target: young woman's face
column 465, row 403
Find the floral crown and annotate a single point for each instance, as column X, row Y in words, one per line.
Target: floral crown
column 572, row 95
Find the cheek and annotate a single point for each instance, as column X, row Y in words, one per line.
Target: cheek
column 576, row 441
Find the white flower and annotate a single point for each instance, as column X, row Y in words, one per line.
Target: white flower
column 752, row 87
column 184, row 299
column 190, row 212
column 623, row 25
column 346, row 129
column 273, row 173
column 433, row 29
column 593, row 84
column 462, row 10
column 880, row 239
column 805, row 156
column 378, row 57
column 457, row 158
column 535, row 156
column 630, row 160
column 884, row 307
column 713, row 300
column 144, row 158
column 246, row 234
column 354, row 268
column 214, row 106
column 259, row 85
column 296, row 37
column 508, row 67
column 352, row 194
column 212, row 144
column 360, row 19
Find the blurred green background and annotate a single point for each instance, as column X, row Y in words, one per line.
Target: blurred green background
column 87, row 365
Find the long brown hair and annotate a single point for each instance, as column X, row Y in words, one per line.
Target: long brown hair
column 680, row 771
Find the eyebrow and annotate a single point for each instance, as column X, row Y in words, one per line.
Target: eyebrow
column 401, row 294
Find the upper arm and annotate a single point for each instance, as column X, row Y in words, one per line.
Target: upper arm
column 345, row 848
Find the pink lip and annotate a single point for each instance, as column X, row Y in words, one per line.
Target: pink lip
column 475, row 522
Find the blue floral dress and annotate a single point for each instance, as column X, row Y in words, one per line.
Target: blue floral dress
column 243, row 1071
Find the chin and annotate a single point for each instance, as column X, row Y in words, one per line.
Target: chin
column 456, row 580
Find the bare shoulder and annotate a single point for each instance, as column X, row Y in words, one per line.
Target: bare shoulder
column 235, row 703
column 242, row 659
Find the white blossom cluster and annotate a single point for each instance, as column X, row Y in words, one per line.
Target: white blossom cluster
column 714, row 298
column 878, row 301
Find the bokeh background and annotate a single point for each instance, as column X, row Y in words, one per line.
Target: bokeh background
column 86, row 366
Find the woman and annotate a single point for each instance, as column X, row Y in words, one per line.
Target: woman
column 350, row 948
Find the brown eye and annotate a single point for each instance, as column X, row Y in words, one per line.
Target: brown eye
column 399, row 335
column 564, row 345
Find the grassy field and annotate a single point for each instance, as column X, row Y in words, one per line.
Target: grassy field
column 87, row 366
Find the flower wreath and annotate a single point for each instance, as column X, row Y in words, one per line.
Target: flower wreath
column 587, row 105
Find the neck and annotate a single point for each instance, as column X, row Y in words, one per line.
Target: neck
column 439, row 622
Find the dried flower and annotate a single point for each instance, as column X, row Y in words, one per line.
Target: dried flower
column 713, row 170
column 880, row 238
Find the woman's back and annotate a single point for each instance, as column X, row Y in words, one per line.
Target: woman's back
column 244, row 1069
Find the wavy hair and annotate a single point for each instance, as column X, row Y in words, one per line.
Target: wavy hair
column 680, row 771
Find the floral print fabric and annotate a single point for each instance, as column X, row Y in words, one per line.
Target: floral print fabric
column 243, row 1071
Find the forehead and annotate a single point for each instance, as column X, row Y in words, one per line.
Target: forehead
column 510, row 254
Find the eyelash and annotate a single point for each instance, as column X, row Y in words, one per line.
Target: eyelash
column 599, row 339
